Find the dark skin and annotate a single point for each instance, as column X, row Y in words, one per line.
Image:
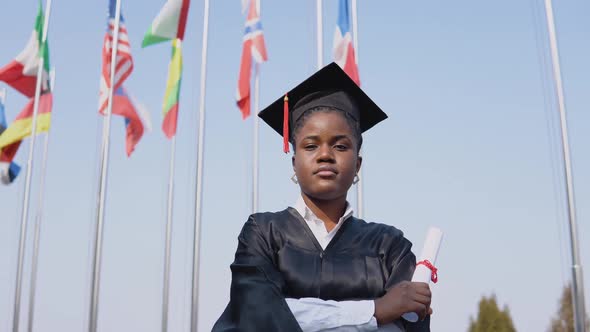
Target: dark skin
column 325, row 161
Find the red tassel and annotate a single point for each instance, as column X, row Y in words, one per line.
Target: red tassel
column 286, row 124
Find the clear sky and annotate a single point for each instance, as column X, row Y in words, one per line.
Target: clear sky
column 471, row 146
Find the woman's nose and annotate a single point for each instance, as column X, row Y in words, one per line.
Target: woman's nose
column 325, row 154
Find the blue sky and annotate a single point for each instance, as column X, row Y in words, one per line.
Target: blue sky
column 471, row 146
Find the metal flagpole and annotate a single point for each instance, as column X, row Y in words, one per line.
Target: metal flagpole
column 255, row 145
column 168, row 240
column 25, row 207
column 38, row 219
column 199, row 180
column 360, row 204
column 319, row 37
column 167, row 250
column 36, row 238
column 3, row 96
column 577, row 279
column 104, row 162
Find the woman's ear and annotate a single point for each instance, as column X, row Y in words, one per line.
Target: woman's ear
column 359, row 162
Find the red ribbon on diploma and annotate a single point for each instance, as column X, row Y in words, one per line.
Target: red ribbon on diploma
column 431, row 267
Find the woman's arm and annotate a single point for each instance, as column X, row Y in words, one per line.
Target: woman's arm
column 402, row 294
column 256, row 296
column 317, row 315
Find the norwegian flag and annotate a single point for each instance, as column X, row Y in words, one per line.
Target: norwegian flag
column 124, row 65
column 343, row 48
column 253, row 48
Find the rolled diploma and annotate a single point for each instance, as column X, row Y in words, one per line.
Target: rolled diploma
column 422, row 273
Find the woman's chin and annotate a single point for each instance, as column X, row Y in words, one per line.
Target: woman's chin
column 326, row 193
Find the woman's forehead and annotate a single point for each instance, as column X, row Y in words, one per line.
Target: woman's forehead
column 326, row 121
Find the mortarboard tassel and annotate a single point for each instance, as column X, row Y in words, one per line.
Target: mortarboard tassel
column 286, row 124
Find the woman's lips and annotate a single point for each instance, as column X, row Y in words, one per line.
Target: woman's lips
column 326, row 171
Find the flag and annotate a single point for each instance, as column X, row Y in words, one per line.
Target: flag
column 8, row 169
column 170, row 24
column 135, row 118
column 253, row 47
column 21, row 73
column 22, row 125
column 124, row 61
column 123, row 104
column 343, row 49
column 172, row 94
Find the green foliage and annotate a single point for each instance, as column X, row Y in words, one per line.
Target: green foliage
column 490, row 318
column 564, row 319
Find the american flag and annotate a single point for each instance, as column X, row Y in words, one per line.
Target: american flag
column 253, row 48
column 124, row 65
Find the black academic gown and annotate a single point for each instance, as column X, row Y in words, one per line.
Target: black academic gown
column 278, row 257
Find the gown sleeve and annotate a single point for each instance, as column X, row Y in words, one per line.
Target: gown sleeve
column 402, row 263
column 256, row 301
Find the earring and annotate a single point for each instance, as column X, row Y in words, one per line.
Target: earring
column 356, row 179
column 294, row 179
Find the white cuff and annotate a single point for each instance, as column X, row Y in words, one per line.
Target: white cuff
column 315, row 315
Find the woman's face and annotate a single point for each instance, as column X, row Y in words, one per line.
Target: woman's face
column 326, row 158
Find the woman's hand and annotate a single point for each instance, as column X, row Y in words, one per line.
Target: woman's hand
column 404, row 297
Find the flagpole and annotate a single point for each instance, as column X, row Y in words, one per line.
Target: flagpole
column 255, row 149
column 38, row 219
column 319, row 27
column 167, row 252
column 25, row 207
column 199, row 180
column 360, row 203
column 104, row 161
column 36, row 238
column 3, row 95
column 577, row 276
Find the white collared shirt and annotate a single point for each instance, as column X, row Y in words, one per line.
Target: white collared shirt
column 315, row 315
column 317, row 226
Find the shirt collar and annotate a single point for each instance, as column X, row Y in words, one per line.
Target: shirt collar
column 308, row 215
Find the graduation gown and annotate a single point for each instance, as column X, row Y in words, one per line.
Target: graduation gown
column 278, row 257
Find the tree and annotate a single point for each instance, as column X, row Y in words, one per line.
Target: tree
column 564, row 318
column 490, row 318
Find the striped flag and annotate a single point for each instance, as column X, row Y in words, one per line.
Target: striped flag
column 136, row 118
column 170, row 24
column 343, row 49
column 8, row 169
column 123, row 104
column 21, row 73
column 124, row 61
column 21, row 127
column 172, row 94
column 253, row 47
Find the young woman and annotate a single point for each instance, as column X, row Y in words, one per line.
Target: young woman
column 313, row 266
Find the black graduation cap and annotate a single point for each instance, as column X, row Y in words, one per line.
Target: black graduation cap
column 330, row 87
